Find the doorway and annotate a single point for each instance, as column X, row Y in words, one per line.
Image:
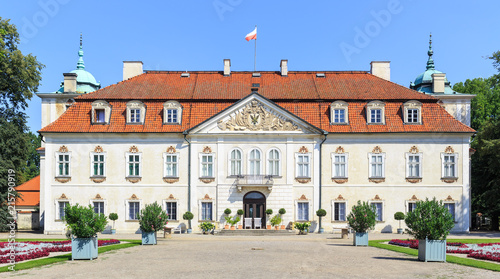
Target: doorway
column 254, row 205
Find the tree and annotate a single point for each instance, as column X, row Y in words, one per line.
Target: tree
column 32, row 167
column 19, row 79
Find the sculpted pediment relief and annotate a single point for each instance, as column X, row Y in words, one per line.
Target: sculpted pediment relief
column 254, row 117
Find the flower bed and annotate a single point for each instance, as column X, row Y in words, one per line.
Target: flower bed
column 36, row 249
column 483, row 251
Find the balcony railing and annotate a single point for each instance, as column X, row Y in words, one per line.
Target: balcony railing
column 254, row 181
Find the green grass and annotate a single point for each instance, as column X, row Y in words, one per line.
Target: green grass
column 451, row 259
column 66, row 257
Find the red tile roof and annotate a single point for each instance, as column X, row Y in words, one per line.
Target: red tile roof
column 204, row 94
column 29, row 192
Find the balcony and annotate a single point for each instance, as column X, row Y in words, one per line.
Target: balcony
column 252, row 180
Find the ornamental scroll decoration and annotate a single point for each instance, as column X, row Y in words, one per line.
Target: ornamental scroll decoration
column 254, row 117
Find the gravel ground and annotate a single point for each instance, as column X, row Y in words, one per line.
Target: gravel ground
column 207, row 256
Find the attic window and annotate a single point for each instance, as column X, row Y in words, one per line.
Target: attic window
column 172, row 112
column 101, row 111
column 255, row 74
column 375, row 112
column 320, row 75
column 136, row 112
column 185, row 75
column 255, row 84
column 412, row 112
column 339, row 113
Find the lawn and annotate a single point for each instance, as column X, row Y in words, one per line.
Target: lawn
column 449, row 258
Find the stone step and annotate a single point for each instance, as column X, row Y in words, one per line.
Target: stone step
column 256, row 232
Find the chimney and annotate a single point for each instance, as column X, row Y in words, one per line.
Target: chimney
column 438, row 82
column 131, row 69
column 227, row 67
column 69, row 82
column 284, row 67
column 381, row 69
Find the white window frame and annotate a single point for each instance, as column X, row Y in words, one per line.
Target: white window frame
column 371, row 175
column 170, row 106
column 176, row 209
column 207, row 163
column 420, row 157
column 270, row 162
column 345, row 210
column 410, row 105
column 136, row 105
column 309, row 170
column 383, row 209
column 375, row 105
column 98, row 105
column 165, row 163
column 104, row 205
column 57, row 208
column 455, row 166
column 408, row 203
column 346, row 164
column 234, row 161
column 92, row 162
column 68, row 168
column 454, row 203
column 250, row 160
column 297, row 202
column 127, row 209
column 127, row 164
column 339, row 105
column 200, row 206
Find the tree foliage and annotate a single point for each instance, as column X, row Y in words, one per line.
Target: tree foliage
column 362, row 217
column 83, row 222
column 152, row 218
column 429, row 220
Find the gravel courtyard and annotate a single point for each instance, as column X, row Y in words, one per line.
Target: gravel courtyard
column 207, row 256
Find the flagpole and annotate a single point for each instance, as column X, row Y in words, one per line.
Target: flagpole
column 255, row 54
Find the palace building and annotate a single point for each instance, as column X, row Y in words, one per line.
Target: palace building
column 204, row 141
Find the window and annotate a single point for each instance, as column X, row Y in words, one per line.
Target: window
column 274, row 162
column 451, row 209
column 235, row 161
column 378, row 211
column 100, row 116
column 133, row 210
column 412, row 115
column 375, row 111
column 303, row 165
column 171, row 165
column 303, row 211
column 377, row 165
column 63, row 164
column 339, row 113
column 172, row 112
column 411, row 112
column 449, row 165
column 413, row 165
column 134, row 164
column 254, row 162
column 98, row 164
column 98, row 207
column 339, row 168
column 411, row 206
column 136, row 111
column 207, row 165
column 206, row 211
column 135, row 115
column 171, row 209
column 61, row 206
column 339, row 211
column 101, row 111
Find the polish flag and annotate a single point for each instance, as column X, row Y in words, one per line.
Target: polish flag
column 252, row 35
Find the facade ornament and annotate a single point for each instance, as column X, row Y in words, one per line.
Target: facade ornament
column 449, row 198
column 62, row 179
column 377, row 150
column 303, row 180
column 133, row 149
column 340, row 180
column 98, row 149
column 377, row 198
column 63, row 197
column 171, row 150
column 414, row 150
column 302, row 198
column 414, row 198
column 254, row 117
column 98, row 197
column 376, row 180
column 449, row 150
column 207, row 149
column 63, row 149
column 340, row 198
column 171, row 197
column 303, row 149
column 207, row 197
column 414, row 180
column 98, row 179
column 134, row 197
column 171, row 180
column 339, row 150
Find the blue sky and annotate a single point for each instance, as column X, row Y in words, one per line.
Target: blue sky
column 198, row 35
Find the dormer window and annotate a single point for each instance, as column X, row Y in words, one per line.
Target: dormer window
column 375, row 112
column 101, row 112
column 172, row 112
column 339, row 113
column 412, row 112
column 136, row 112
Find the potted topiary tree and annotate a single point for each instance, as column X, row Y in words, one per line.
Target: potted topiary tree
column 361, row 219
column 206, row 227
column 282, row 212
column 227, row 211
column 430, row 222
column 275, row 221
column 188, row 216
column 113, row 217
column 83, row 225
column 152, row 219
column 269, row 212
column 240, row 213
column 320, row 213
column 399, row 216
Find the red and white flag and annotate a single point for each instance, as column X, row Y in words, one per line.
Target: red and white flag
column 252, row 35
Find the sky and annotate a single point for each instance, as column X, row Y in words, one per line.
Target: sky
column 198, row 35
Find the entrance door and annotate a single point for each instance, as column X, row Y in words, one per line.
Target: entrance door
column 254, row 205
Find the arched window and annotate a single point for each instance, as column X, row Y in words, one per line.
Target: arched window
column 254, row 162
column 235, row 160
column 274, row 162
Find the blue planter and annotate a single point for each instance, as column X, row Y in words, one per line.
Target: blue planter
column 432, row 250
column 148, row 238
column 361, row 239
column 189, row 230
column 113, row 231
column 84, row 248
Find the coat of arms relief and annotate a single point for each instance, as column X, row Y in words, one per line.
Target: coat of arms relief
column 254, row 117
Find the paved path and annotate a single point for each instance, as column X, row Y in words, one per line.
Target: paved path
column 207, row 256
